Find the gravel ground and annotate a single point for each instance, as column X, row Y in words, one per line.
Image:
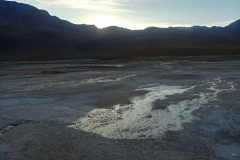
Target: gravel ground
column 120, row 110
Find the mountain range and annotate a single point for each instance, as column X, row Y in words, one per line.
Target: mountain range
column 28, row 33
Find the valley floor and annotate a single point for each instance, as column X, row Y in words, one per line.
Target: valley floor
column 175, row 109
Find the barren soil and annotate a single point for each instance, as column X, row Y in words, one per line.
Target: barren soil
column 120, row 110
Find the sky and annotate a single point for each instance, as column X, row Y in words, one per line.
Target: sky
column 139, row 14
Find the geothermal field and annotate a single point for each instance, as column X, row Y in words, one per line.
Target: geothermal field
column 138, row 109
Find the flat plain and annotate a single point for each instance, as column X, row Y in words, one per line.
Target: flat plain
column 116, row 109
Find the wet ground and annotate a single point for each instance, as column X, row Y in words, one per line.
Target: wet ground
column 120, row 110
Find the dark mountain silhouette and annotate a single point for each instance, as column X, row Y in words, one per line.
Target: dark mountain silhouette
column 25, row 16
column 233, row 27
column 115, row 29
column 189, row 30
column 27, row 33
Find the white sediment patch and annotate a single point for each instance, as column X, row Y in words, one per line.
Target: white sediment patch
column 111, row 78
column 138, row 120
column 6, row 129
column 106, row 79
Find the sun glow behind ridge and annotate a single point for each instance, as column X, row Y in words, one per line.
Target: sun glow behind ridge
column 102, row 22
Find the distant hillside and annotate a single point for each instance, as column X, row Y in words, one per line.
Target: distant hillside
column 25, row 16
column 27, row 33
column 233, row 27
column 164, row 45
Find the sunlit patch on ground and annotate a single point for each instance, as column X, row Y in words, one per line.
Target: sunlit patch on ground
column 139, row 120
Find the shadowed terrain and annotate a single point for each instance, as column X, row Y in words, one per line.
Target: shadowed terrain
column 27, row 33
column 140, row 109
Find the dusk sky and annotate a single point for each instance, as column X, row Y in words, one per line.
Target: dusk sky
column 139, row 14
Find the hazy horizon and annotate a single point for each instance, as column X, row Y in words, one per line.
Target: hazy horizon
column 140, row 14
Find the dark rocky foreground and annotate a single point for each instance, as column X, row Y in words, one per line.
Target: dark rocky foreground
column 120, row 110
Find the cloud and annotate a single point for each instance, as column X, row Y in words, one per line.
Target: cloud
column 100, row 5
column 106, row 5
column 79, row 2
